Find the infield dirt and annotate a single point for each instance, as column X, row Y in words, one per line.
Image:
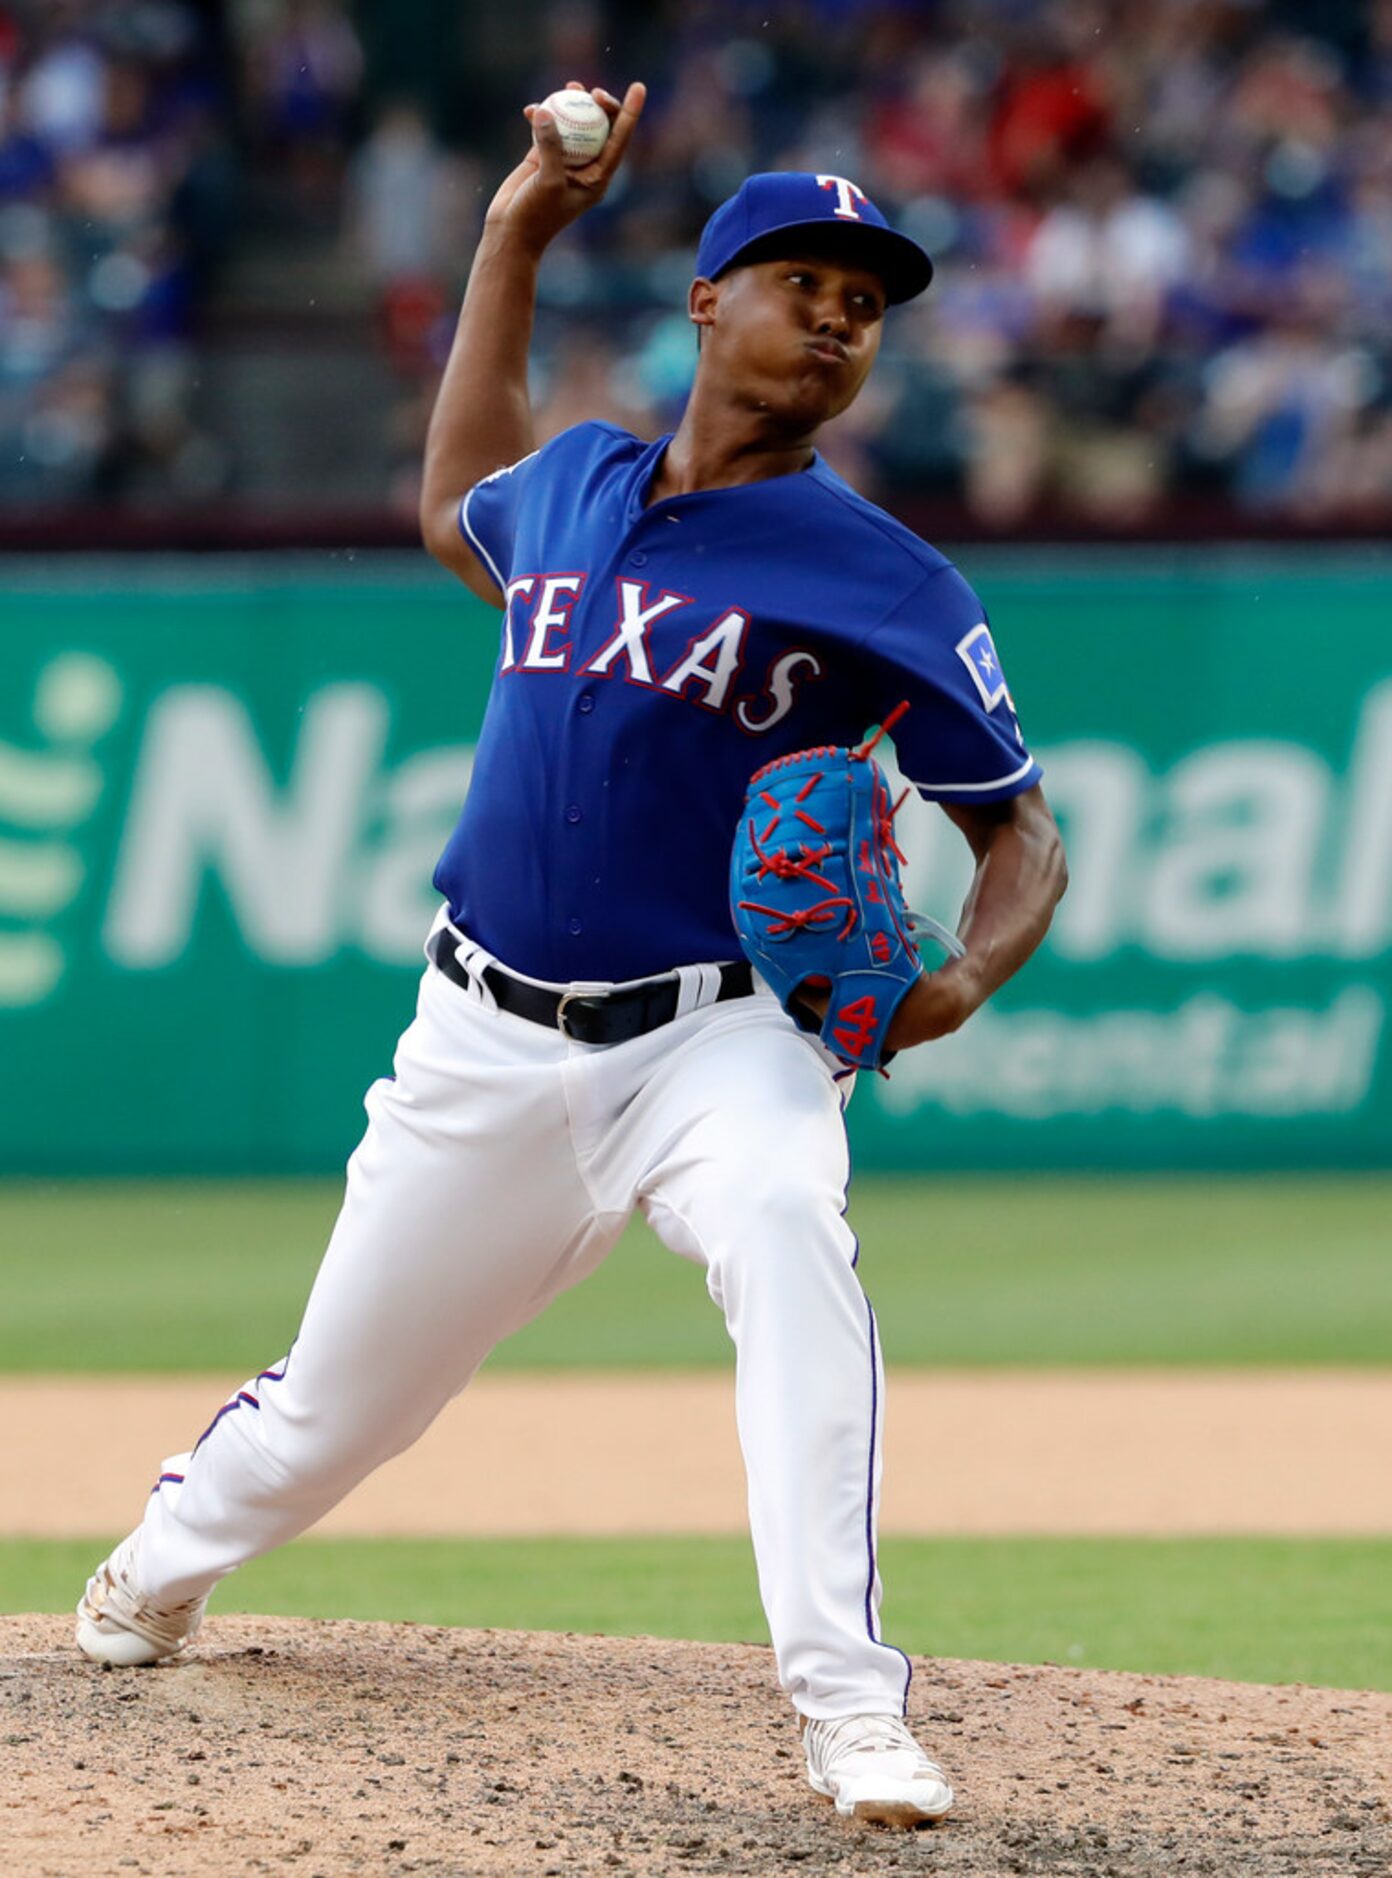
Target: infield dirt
column 341, row 1748
column 1295, row 1452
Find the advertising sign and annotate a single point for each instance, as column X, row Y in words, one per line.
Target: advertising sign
column 223, row 791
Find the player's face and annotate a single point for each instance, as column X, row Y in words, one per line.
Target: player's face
column 797, row 335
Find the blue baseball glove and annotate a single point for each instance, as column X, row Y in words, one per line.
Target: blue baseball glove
column 816, row 897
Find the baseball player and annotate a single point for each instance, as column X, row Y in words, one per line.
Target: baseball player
column 588, row 1037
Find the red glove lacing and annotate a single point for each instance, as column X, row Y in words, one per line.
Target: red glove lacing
column 784, row 866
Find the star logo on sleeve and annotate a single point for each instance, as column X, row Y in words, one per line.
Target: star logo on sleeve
column 978, row 653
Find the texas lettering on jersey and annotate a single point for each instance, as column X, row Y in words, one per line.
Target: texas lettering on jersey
column 708, row 671
column 654, row 647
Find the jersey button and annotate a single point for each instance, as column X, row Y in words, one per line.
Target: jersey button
column 573, row 813
column 584, row 702
column 639, row 559
column 574, row 927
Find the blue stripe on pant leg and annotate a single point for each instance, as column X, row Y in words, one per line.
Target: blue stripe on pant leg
column 870, row 1624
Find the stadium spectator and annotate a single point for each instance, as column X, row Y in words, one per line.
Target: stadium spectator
column 303, row 67
column 1107, row 254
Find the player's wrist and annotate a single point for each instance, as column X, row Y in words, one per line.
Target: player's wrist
column 936, row 1004
column 505, row 243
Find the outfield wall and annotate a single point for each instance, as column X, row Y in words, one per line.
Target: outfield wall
column 224, row 784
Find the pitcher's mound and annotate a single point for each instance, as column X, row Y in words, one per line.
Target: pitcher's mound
column 385, row 1748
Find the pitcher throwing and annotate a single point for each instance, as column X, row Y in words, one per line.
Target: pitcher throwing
column 590, row 1037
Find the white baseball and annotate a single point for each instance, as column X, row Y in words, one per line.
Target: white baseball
column 582, row 122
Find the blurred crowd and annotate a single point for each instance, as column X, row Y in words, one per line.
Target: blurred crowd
column 132, row 134
column 1163, row 233
column 1163, row 228
column 113, row 203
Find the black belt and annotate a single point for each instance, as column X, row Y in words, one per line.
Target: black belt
column 584, row 1016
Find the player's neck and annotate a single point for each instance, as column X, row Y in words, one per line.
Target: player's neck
column 724, row 447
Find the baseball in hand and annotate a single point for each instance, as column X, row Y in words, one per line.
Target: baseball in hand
column 582, row 122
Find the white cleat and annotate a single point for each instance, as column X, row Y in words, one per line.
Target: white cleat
column 871, row 1767
column 117, row 1624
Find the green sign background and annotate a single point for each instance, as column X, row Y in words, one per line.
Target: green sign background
column 223, row 786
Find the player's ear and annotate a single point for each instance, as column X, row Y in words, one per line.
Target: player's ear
column 701, row 300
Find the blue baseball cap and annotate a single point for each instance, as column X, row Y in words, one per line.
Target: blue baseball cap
column 778, row 202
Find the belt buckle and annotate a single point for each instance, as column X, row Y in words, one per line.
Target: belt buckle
column 568, row 997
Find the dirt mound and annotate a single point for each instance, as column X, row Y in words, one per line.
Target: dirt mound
column 371, row 1748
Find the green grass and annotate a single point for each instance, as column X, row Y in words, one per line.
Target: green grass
column 1262, row 1610
column 195, row 1276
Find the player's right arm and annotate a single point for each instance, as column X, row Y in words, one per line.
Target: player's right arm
column 482, row 419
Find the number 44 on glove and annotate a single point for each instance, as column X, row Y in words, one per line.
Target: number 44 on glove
column 816, row 896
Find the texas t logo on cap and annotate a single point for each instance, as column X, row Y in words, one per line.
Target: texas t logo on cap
column 847, row 195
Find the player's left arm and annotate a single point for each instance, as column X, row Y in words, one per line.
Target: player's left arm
column 1021, row 875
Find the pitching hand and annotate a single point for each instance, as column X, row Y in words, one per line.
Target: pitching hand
column 542, row 195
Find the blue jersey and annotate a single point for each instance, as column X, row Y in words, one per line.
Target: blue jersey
column 653, row 656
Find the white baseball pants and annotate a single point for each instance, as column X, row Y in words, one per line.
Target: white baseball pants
column 499, row 1165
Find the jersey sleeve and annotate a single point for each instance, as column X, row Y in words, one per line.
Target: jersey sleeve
column 488, row 515
column 960, row 740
